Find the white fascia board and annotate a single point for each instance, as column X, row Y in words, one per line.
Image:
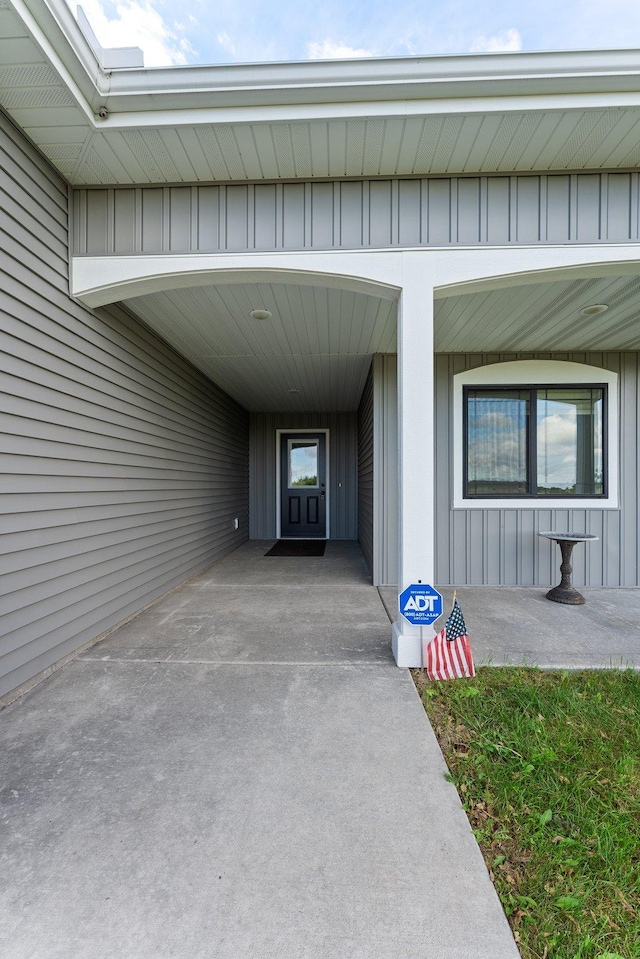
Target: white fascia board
column 323, row 112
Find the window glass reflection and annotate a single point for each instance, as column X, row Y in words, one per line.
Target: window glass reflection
column 303, row 463
column 570, row 442
column 497, row 427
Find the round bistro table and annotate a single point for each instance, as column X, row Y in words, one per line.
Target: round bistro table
column 565, row 592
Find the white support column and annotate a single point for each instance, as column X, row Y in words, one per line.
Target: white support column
column 416, row 440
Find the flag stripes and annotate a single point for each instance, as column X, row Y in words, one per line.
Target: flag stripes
column 448, row 654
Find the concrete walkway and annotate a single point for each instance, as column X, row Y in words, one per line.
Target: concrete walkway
column 241, row 771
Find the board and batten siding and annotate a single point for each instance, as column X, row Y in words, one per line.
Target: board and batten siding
column 365, row 471
column 123, row 467
column 356, row 214
column 385, row 466
column 500, row 547
column 341, row 482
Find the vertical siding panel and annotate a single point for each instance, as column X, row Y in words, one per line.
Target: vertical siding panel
column 385, row 470
column 97, row 221
column 508, row 559
column 379, row 213
column 588, row 208
column 526, row 547
column 558, row 209
column 209, row 219
column 180, row 219
column 265, row 214
column 443, row 533
column 152, row 220
column 528, row 209
column 124, row 467
column 618, row 225
column 322, row 216
column 629, row 467
column 475, row 564
column 498, row 210
column 491, row 558
column 351, row 232
column 439, row 213
column 237, row 233
column 545, row 550
column 409, row 210
column 468, row 219
column 293, row 225
column 124, row 221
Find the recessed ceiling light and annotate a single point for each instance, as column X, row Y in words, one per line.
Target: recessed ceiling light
column 293, row 390
column 595, row 309
column 260, row 314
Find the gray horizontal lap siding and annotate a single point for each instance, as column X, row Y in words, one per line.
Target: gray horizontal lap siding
column 355, row 214
column 343, row 499
column 501, row 546
column 122, row 467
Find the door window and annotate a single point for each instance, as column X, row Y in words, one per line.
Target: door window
column 303, row 463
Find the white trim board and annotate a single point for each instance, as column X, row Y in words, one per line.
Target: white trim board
column 527, row 372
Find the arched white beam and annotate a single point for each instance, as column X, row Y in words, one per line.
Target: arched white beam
column 124, row 277
column 473, row 270
column 98, row 280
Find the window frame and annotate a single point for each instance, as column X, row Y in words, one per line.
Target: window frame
column 536, row 374
column 531, row 440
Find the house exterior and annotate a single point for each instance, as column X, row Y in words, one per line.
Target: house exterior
column 386, row 300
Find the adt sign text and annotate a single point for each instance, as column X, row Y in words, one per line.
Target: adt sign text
column 420, row 604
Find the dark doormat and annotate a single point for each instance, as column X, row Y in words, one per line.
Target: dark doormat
column 298, row 547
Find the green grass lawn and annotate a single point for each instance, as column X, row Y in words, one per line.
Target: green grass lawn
column 547, row 765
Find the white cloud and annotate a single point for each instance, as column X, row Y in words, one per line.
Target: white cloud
column 138, row 24
column 503, row 41
column 226, row 42
column 329, row 50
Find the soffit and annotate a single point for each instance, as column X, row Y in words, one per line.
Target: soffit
column 320, row 341
column 317, row 341
column 392, row 117
column 542, row 317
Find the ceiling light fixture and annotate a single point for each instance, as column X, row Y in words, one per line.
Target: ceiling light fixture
column 595, row 309
column 260, row 314
column 293, row 390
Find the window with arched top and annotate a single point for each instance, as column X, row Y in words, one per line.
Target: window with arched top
column 541, row 434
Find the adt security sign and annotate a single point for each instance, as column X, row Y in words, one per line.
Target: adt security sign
column 420, row 604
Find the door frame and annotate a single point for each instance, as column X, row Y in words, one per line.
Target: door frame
column 309, row 431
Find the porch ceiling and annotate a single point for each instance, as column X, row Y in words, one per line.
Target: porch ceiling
column 412, row 116
column 542, row 317
column 318, row 341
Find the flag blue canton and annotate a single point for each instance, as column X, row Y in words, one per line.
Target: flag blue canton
column 455, row 625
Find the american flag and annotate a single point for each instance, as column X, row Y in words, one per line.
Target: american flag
column 448, row 654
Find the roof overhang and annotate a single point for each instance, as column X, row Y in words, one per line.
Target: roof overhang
column 73, row 92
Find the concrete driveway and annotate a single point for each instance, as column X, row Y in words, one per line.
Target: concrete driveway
column 240, row 771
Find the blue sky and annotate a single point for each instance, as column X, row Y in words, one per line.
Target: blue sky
column 241, row 31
